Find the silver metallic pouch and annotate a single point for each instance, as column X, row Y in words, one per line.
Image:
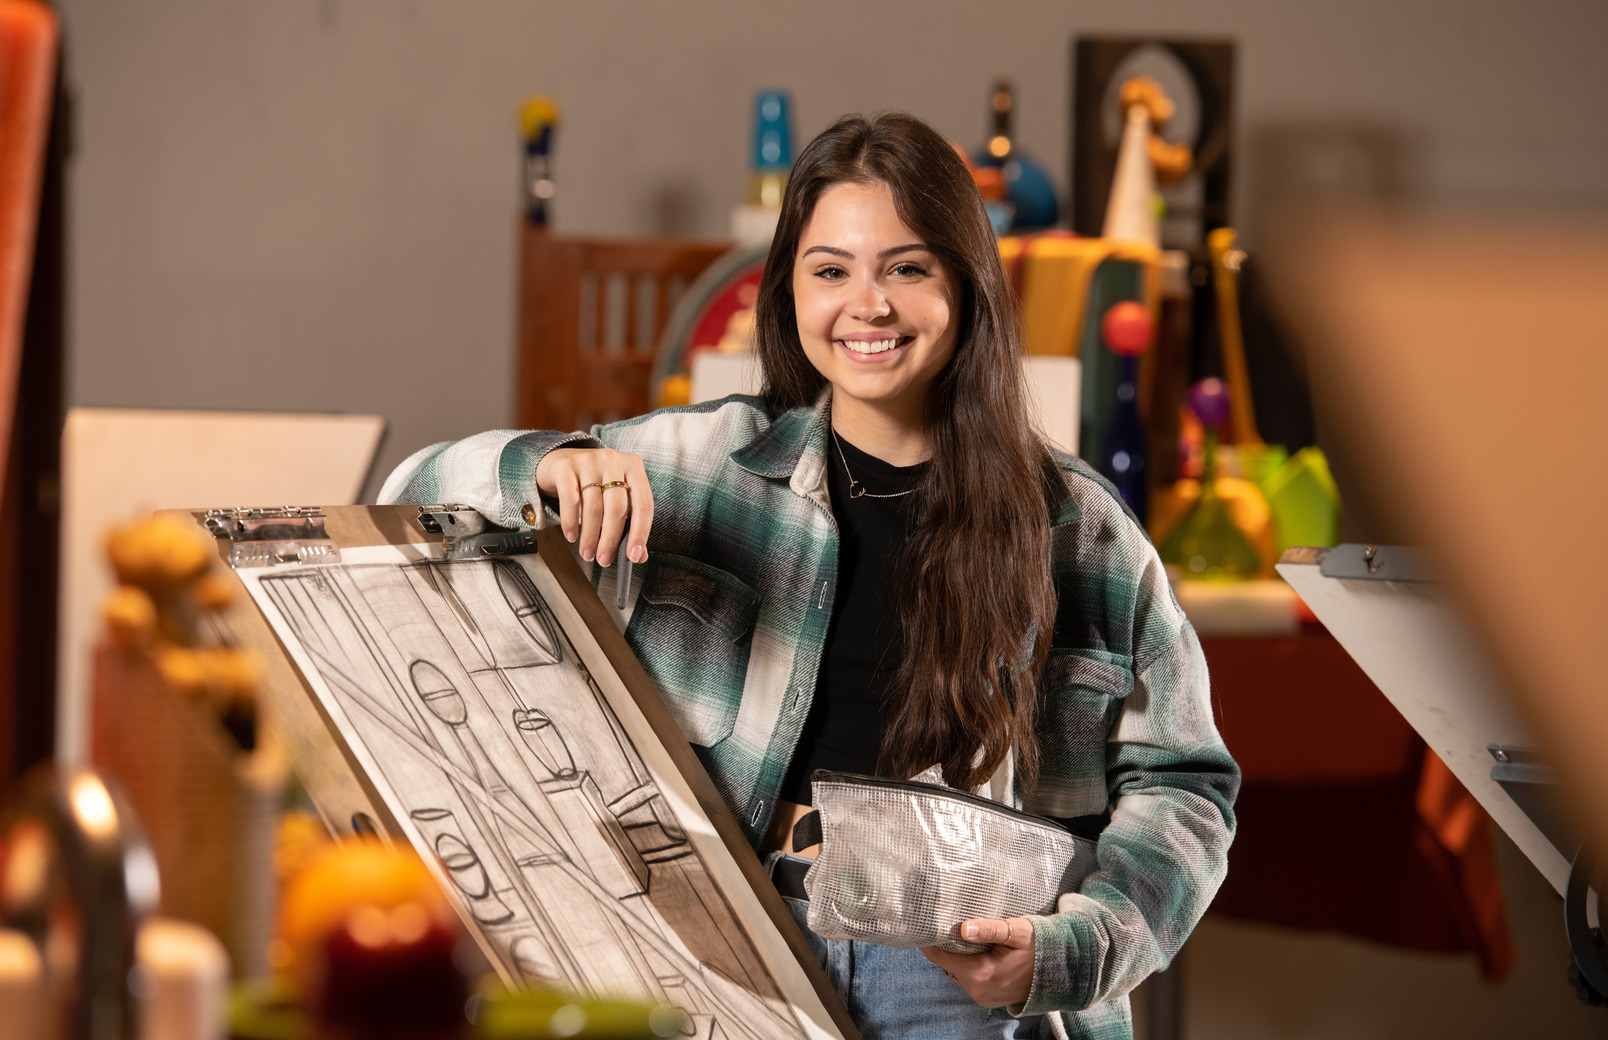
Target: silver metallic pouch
column 903, row 862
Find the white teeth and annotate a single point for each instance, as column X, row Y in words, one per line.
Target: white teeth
column 875, row 346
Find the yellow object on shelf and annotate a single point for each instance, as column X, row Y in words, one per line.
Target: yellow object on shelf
column 674, row 391
column 1226, row 262
column 1055, row 279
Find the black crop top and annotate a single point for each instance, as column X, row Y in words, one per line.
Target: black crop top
column 863, row 642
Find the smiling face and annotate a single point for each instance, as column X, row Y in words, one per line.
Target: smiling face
column 876, row 308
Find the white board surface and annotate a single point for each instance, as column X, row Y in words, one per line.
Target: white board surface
column 1408, row 638
column 511, row 755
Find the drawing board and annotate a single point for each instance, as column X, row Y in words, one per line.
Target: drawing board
column 1411, row 640
column 483, row 711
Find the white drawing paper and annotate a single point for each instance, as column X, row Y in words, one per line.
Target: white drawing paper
column 518, row 765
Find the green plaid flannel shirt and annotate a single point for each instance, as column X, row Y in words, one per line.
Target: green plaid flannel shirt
column 729, row 616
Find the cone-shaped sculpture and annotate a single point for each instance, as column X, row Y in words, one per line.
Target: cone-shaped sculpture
column 1131, row 210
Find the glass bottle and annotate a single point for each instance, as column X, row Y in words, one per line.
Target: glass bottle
column 1206, row 545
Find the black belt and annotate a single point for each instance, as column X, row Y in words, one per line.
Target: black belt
column 788, row 876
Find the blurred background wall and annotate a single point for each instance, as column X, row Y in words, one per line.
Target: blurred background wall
column 312, row 204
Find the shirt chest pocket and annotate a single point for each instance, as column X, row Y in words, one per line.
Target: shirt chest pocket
column 692, row 629
column 1084, row 692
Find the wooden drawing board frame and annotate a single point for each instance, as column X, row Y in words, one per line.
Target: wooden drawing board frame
column 348, row 797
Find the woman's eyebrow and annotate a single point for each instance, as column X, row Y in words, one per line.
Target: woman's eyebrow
column 846, row 255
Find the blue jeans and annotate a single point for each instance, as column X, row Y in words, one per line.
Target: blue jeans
column 897, row 994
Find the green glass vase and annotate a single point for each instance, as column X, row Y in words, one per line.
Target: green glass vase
column 1206, row 546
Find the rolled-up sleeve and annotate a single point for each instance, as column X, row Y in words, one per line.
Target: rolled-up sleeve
column 1172, row 785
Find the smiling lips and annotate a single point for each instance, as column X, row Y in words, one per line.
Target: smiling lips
column 874, row 346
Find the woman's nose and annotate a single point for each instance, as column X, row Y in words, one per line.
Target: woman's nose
column 870, row 302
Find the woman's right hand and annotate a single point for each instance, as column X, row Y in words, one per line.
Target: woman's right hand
column 594, row 514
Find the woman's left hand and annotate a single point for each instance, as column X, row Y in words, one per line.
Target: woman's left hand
column 998, row 977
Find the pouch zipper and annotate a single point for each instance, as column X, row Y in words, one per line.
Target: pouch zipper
column 964, row 797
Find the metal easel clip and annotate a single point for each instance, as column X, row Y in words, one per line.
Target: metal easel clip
column 466, row 535
column 1377, row 563
column 262, row 537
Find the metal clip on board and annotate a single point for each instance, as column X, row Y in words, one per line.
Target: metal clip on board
column 264, row 537
column 466, row 535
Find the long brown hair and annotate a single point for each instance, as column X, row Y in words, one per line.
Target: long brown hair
column 976, row 601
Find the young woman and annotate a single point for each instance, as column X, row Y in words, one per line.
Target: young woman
column 877, row 566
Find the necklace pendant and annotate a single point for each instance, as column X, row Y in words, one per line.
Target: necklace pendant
column 856, row 489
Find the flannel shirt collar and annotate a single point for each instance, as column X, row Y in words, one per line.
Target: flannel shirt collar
column 793, row 448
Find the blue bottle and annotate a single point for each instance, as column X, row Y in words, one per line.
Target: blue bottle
column 1127, row 329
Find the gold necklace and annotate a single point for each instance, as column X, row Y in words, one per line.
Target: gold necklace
column 857, row 489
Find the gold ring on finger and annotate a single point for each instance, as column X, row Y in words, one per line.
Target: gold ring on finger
column 614, row 484
column 593, row 484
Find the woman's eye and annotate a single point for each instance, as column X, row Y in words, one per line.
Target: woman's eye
column 830, row 274
column 908, row 270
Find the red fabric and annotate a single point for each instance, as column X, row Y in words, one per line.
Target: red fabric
column 1347, row 822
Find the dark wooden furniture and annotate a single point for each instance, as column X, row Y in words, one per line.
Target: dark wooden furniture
column 590, row 315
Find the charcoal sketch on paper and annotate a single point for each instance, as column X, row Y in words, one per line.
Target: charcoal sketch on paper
column 504, row 759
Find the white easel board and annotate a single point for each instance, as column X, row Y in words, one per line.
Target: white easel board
column 121, row 463
column 1409, row 639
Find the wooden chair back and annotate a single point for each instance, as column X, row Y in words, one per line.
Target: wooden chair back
column 590, row 315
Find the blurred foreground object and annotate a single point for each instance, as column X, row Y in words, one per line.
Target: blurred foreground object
column 527, row 1016
column 79, row 879
column 34, row 135
column 176, row 719
column 371, row 945
column 1462, row 365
